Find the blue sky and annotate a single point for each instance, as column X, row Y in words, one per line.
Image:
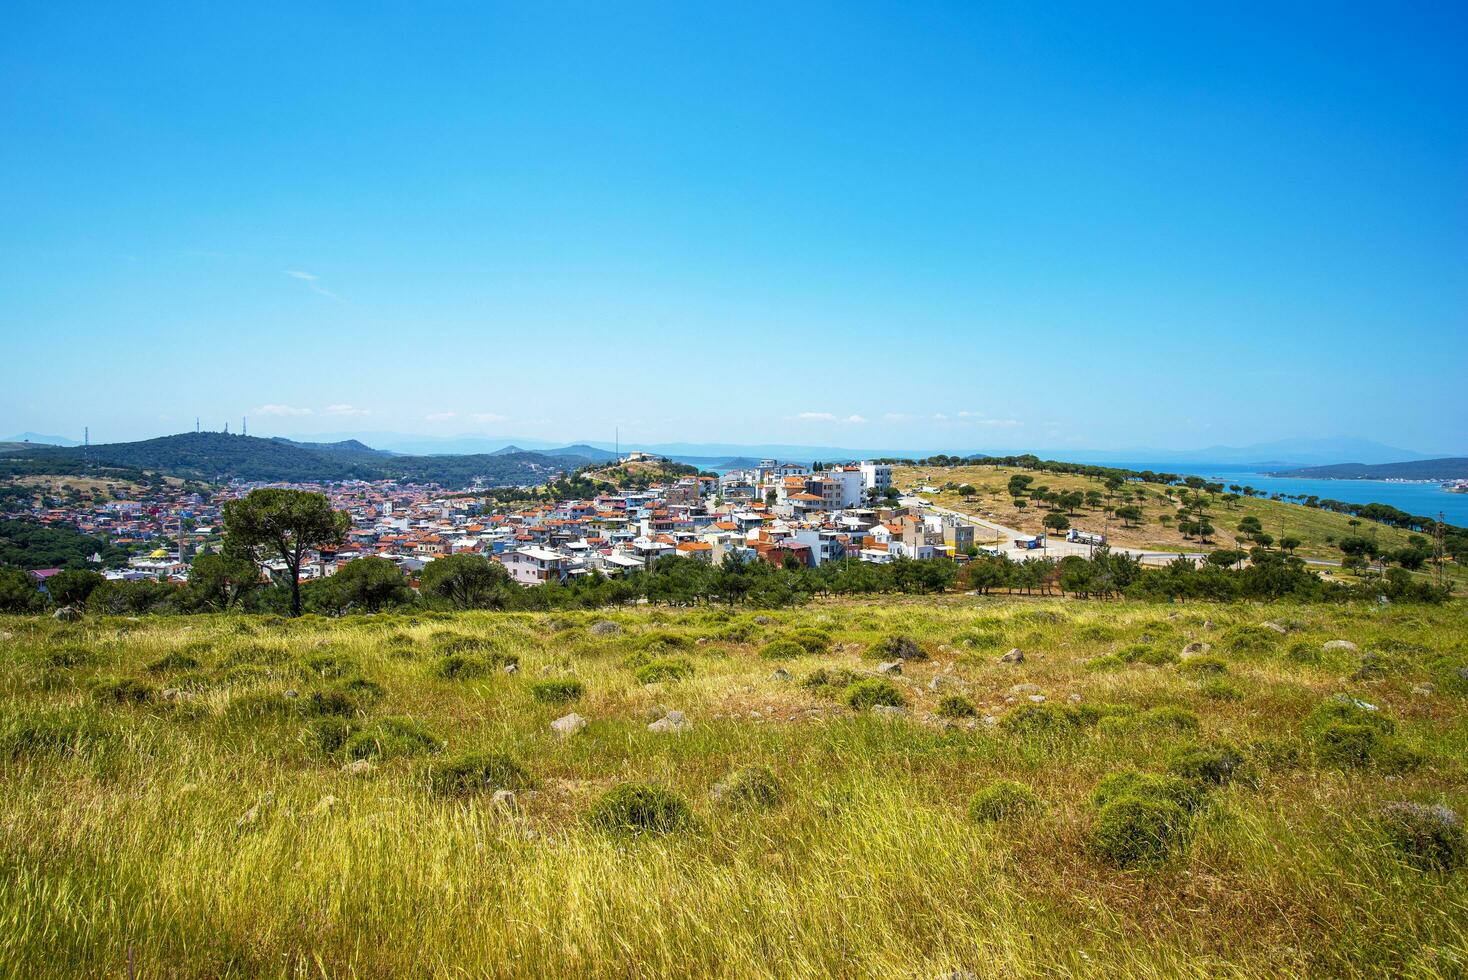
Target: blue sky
column 965, row 225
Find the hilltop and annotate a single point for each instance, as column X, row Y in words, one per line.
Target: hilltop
column 1204, row 790
column 218, row 457
column 1446, row 468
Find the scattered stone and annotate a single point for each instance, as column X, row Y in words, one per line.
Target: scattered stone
column 359, row 767
column 762, row 620
column 990, row 720
column 943, row 682
column 673, row 721
column 1014, row 656
column 1074, row 699
column 504, row 799
column 780, row 674
column 890, row 667
column 1423, row 690
column 1025, row 689
column 890, row 710
column 568, row 725
column 512, row 668
column 1357, row 702
column 1339, row 645
column 252, row 815
column 702, row 640
column 67, row 614
column 1270, row 625
column 1208, row 624
column 323, row 805
column 290, row 692
column 171, row 694
column 1037, row 698
column 1196, row 649
column 605, row 627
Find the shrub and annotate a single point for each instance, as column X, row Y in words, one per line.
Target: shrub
column 69, row 656
column 1155, row 656
column 1041, row 720
column 956, row 706
column 782, row 650
column 478, row 773
column 458, row 667
column 329, row 734
column 871, row 692
column 122, row 690
column 558, row 690
column 751, row 786
column 1342, row 745
column 1108, row 662
column 1137, row 831
column 1250, row 638
column 1215, row 765
column 659, row 640
column 1345, row 710
column 1002, row 800
column 170, row 662
column 663, row 669
column 365, row 691
column 52, row 733
column 827, row 680
column 640, row 808
column 1303, row 652
column 1171, row 718
column 393, row 737
column 1147, row 785
column 897, row 647
column 1220, row 689
column 327, row 665
column 1203, row 665
column 813, row 641
column 1430, row 836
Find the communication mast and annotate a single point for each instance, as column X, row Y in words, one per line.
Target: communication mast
column 1437, row 548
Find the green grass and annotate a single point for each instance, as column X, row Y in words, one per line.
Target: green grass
column 234, row 796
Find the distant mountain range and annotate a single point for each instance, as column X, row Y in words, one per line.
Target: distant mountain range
column 1447, row 468
column 42, row 440
column 218, row 457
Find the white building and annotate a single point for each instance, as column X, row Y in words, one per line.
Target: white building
column 876, row 476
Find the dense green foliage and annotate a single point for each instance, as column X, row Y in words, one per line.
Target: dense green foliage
column 25, row 544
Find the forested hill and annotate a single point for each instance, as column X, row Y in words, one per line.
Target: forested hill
column 1446, row 468
column 217, row 456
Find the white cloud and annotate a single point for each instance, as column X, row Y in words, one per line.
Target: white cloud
column 978, row 418
column 827, row 417
column 280, row 410
column 312, row 280
column 440, row 416
column 346, row 410
column 489, row 417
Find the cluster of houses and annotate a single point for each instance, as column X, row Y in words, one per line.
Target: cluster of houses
column 778, row 512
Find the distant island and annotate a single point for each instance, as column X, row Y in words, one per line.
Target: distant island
column 1423, row 470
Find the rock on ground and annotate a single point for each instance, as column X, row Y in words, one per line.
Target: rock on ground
column 673, row 721
column 568, row 725
column 1339, row 645
column 1014, row 656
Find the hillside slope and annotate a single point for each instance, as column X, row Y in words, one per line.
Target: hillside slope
column 1445, row 468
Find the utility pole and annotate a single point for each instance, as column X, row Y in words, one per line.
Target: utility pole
column 1437, row 547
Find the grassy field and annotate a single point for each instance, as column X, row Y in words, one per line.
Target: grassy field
column 234, row 796
column 1315, row 528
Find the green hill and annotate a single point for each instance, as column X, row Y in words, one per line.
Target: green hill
column 219, row 457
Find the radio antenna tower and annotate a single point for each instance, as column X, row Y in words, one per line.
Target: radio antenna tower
column 196, row 425
column 244, row 425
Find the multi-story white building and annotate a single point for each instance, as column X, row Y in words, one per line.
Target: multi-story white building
column 876, row 476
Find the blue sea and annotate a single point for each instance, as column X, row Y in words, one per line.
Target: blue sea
column 1422, row 499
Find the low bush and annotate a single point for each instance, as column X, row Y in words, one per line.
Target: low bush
column 1213, row 765
column 956, row 706
column 1430, row 836
column 813, row 641
column 1170, row 718
column 828, row 680
column 1002, row 800
column 782, row 650
column 663, row 669
column 1138, row 831
column 897, row 647
column 640, row 808
column 1042, row 721
column 1105, row 663
column 1147, row 785
column 122, row 690
column 751, row 786
column 1220, row 689
column 478, row 772
column 329, row 734
column 870, row 692
column 391, row 738
column 171, row 662
column 557, row 690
